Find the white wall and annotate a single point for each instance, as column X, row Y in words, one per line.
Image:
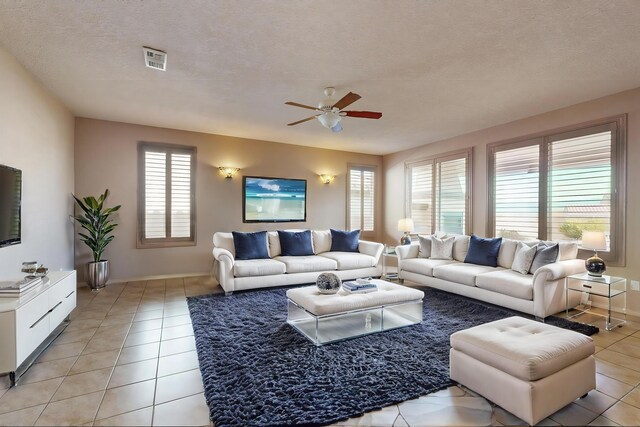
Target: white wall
column 36, row 136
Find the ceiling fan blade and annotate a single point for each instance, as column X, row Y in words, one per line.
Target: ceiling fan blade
column 303, row 120
column 295, row 104
column 337, row 127
column 346, row 100
column 363, row 114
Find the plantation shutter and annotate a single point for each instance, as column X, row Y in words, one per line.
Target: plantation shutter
column 421, row 197
column 516, row 192
column 451, row 195
column 168, row 195
column 579, row 185
column 361, row 204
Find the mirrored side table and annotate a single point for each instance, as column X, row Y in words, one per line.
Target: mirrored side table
column 609, row 289
column 388, row 252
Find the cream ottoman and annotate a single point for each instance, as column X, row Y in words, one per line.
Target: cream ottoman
column 529, row 368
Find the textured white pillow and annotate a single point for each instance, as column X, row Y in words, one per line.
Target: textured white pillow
column 442, row 248
column 524, row 258
column 425, row 246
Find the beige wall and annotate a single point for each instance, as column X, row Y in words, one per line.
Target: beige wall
column 106, row 157
column 36, row 136
column 625, row 102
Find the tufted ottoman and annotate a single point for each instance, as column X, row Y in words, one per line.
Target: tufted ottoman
column 529, row 368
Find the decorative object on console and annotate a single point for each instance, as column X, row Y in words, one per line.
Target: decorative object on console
column 295, row 243
column 99, row 226
column 327, row 179
column 406, row 226
column 344, row 241
column 596, row 241
column 228, row 172
column 483, row 251
column 328, row 283
column 274, row 199
column 250, row 245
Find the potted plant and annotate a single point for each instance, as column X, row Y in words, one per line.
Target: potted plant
column 99, row 228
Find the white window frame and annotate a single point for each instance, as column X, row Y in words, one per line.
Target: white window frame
column 618, row 126
column 142, row 241
column 376, row 192
column 467, row 154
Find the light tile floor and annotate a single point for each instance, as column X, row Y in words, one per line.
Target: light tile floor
column 128, row 358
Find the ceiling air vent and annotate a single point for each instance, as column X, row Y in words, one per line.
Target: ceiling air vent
column 154, row 58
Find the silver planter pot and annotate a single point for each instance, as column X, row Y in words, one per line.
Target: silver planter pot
column 97, row 274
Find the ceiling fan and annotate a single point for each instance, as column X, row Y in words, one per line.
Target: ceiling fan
column 330, row 112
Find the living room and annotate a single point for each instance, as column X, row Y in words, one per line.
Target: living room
column 457, row 84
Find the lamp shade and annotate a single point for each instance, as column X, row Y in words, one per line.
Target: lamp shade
column 594, row 240
column 406, row 225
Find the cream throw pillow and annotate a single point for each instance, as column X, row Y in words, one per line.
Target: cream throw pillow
column 442, row 248
column 523, row 258
column 425, row 246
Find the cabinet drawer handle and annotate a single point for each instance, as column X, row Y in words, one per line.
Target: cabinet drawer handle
column 70, row 293
column 586, row 286
column 55, row 306
column 40, row 319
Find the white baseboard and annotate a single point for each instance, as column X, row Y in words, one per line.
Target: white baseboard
column 604, row 306
column 156, row 277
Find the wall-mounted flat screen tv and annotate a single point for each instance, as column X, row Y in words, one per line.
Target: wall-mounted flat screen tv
column 10, row 202
column 274, row 199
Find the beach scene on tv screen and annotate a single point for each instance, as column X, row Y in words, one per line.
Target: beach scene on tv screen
column 274, row 199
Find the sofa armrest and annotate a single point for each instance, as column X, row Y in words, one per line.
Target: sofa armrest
column 224, row 272
column 407, row 251
column 559, row 270
column 373, row 249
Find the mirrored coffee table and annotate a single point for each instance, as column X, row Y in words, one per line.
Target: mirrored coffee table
column 325, row 319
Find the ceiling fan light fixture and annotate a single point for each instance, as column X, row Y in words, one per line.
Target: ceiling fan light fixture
column 329, row 119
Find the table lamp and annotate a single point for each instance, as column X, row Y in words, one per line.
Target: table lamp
column 405, row 225
column 596, row 241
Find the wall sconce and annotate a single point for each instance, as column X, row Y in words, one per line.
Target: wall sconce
column 228, row 172
column 327, row 178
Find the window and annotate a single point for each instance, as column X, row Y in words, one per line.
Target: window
column 361, row 199
column 557, row 185
column 437, row 193
column 166, row 206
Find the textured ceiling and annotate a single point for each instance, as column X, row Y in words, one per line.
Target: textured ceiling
column 436, row 69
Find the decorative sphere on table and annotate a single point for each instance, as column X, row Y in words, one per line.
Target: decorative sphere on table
column 328, row 283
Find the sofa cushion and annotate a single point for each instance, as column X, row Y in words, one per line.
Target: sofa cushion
column 344, row 241
column 524, row 258
column 460, row 247
column 507, row 252
column 546, row 254
column 464, row 274
column 257, row 267
column 321, row 241
column 483, row 251
column 274, row 244
column 250, row 245
column 304, row 264
column 425, row 246
column 423, row 266
column 350, row 260
column 442, row 248
column 295, row 243
column 507, row 282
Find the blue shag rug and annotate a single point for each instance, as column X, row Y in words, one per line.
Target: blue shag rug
column 258, row 371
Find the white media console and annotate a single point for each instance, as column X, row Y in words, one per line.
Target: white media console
column 29, row 323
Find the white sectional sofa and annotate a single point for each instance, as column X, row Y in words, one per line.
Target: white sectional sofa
column 236, row 275
column 540, row 294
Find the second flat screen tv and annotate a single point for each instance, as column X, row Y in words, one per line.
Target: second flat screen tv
column 274, row 199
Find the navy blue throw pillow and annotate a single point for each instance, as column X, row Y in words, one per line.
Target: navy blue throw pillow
column 295, row 243
column 250, row 245
column 344, row 241
column 483, row 251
